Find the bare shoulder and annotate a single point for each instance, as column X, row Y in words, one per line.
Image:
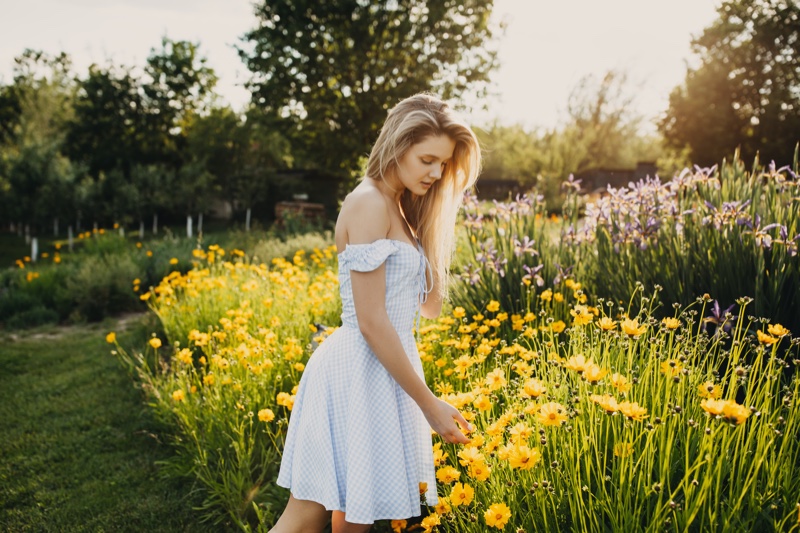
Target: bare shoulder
column 364, row 216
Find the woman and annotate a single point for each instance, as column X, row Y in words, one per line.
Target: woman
column 358, row 447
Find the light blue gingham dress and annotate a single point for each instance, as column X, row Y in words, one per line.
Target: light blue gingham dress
column 356, row 441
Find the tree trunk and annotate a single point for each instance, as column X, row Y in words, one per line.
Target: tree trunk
column 141, row 230
column 247, row 221
column 27, row 234
column 70, row 237
column 155, row 224
column 200, row 224
column 34, row 249
column 55, row 227
column 189, row 226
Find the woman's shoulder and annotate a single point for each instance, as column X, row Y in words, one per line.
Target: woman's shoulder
column 365, row 203
column 364, row 214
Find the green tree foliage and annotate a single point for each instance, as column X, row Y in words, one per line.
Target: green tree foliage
column 108, row 130
column 600, row 131
column 37, row 178
column 178, row 85
column 746, row 90
column 330, row 70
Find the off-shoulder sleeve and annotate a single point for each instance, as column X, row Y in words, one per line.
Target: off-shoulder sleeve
column 367, row 257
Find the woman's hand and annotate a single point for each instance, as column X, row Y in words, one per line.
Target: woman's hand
column 443, row 417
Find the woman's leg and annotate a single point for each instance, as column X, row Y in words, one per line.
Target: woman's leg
column 340, row 525
column 302, row 516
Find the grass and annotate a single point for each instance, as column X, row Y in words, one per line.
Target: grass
column 77, row 443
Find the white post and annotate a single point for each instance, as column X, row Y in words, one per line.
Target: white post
column 34, row 249
column 11, row 227
column 155, row 224
column 122, row 231
column 200, row 224
column 189, row 226
column 247, row 220
column 69, row 237
column 141, row 229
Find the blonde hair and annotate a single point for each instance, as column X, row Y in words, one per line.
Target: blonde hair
column 432, row 216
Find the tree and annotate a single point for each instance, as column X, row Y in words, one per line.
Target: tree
column 108, row 131
column 37, row 177
column 601, row 123
column 329, row 71
column 178, row 86
column 746, row 90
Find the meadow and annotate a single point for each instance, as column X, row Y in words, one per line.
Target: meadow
column 629, row 365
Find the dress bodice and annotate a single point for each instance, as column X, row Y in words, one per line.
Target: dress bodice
column 406, row 280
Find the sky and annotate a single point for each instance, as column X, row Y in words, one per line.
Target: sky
column 547, row 48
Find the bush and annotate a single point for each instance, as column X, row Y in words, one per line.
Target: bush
column 101, row 286
column 33, row 317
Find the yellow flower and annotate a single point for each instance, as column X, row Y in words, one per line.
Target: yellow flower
column 558, row 297
column 623, row 449
column 438, row 455
column 184, row 356
column 558, row 326
column 765, row 339
column 285, row 399
column 111, row 338
column 178, row 395
column 582, row 315
column 671, row 323
column 578, row 363
column 423, row 487
column 709, row 390
column 497, row 515
column 552, row 414
column 266, row 415
column 594, row 373
column 470, row 455
column 482, row 403
column 496, row 379
column 208, row 379
column 155, row 342
column 447, row 474
column 532, row 388
column 461, row 494
column 443, row 507
column 671, row 367
column 429, row 522
column 734, row 413
column 522, row 457
column 493, row 306
column 620, row 382
column 777, row 330
column 633, row 411
column 546, row 296
column 606, row 324
column 459, row 312
column 632, row 328
column 728, row 410
column 606, row 401
column 479, row 470
column 173, row 261
column 398, row 525
column 144, row 297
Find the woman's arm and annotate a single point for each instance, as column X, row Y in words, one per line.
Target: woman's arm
column 369, row 296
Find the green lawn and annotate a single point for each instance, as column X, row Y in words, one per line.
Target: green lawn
column 78, row 450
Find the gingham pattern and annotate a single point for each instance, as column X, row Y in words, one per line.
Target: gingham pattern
column 356, row 441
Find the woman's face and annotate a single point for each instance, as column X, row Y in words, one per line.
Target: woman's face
column 423, row 164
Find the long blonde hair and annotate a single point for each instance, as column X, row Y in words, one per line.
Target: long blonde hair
column 432, row 216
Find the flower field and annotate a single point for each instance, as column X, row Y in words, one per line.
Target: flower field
column 595, row 408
